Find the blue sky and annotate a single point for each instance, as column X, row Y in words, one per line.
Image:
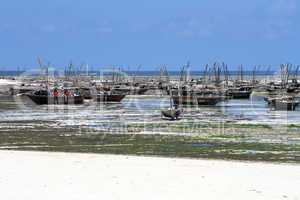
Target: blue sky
column 151, row 33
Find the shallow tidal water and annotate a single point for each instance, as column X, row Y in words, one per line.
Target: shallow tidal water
column 140, row 110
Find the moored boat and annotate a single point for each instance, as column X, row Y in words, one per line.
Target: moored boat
column 172, row 113
column 109, row 97
column 239, row 93
column 205, row 100
column 287, row 103
column 43, row 97
column 130, row 90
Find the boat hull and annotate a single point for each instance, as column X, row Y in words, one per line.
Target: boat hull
column 110, row 97
column 239, row 94
column 286, row 106
column 282, row 104
column 171, row 114
column 129, row 91
column 196, row 100
column 48, row 100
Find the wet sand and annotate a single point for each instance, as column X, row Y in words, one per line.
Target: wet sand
column 236, row 129
column 37, row 175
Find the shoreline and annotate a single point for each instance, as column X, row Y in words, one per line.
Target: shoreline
column 61, row 153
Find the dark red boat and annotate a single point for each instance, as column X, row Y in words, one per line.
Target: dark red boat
column 197, row 100
column 43, row 97
column 107, row 97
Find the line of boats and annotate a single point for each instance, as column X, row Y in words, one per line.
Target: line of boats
column 185, row 95
column 205, row 91
column 43, row 97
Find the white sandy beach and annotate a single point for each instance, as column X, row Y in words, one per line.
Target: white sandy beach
column 38, row 175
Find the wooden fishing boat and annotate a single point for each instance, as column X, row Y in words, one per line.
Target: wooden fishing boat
column 287, row 103
column 109, row 97
column 130, row 90
column 43, row 97
column 171, row 113
column 140, row 91
column 208, row 100
column 239, row 93
column 292, row 90
column 185, row 100
column 21, row 90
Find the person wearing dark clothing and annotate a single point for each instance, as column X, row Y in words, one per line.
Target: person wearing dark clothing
column 76, row 93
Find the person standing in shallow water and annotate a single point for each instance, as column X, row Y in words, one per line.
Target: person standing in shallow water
column 66, row 96
column 55, row 94
column 77, row 93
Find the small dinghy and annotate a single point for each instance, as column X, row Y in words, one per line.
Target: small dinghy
column 172, row 113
